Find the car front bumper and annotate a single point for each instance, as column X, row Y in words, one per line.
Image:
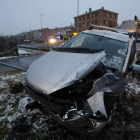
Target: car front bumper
column 79, row 124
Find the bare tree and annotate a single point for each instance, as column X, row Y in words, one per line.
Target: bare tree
column 111, row 23
column 8, row 47
column 72, row 27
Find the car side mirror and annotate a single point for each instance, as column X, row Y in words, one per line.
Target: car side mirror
column 135, row 67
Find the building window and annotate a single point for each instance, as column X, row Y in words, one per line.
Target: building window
column 79, row 25
column 84, row 25
column 107, row 22
column 87, row 23
column 114, row 23
column 93, row 15
column 88, row 16
column 109, row 15
column 83, row 17
column 92, row 22
column 79, row 18
column 96, row 14
column 104, row 14
column 104, row 22
column 114, row 16
column 96, row 22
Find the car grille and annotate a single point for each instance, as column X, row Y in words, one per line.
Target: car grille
column 48, row 103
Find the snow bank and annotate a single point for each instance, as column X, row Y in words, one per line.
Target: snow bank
column 23, row 52
column 8, row 57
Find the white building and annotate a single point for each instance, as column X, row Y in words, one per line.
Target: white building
column 37, row 35
column 128, row 25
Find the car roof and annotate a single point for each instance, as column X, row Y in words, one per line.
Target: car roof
column 109, row 34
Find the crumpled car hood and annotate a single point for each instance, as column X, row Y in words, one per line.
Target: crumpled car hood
column 56, row 70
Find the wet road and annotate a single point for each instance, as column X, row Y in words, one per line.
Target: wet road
column 23, row 62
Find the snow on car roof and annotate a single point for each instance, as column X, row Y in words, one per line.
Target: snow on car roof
column 109, row 34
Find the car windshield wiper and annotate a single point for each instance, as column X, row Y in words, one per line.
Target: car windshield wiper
column 76, row 50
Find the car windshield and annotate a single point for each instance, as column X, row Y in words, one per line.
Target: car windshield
column 117, row 50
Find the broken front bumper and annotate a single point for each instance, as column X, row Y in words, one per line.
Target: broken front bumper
column 82, row 125
column 79, row 123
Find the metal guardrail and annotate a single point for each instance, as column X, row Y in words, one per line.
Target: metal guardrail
column 13, row 66
column 6, row 52
column 34, row 48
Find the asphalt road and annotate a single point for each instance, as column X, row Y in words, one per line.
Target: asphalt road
column 23, row 62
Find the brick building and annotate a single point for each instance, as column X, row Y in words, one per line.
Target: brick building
column 100, row 17
column 46, row 32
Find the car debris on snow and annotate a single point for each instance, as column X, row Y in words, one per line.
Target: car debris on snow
column 13, row 107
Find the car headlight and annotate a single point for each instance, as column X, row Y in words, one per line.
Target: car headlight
column 52, row 40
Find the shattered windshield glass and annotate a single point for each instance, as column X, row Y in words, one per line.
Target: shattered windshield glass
column 117, row 50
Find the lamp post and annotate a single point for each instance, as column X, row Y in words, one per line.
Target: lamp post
column 41, row 27
column 41, row 21
column 29, row 27
column 77, row 15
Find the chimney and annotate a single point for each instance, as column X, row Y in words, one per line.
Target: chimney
column 90, row 10
column 103, row 7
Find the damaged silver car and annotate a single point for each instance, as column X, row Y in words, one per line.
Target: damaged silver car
column 81, row 83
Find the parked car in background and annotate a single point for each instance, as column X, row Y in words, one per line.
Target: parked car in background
column 81, row 83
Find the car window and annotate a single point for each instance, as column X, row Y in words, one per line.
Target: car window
column 78, row 42
column 117, row 50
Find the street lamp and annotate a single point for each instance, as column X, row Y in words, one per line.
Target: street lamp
column 41, row 21
column 30, row 27
column 77, row 15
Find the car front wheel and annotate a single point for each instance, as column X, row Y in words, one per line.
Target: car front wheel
column 112, row 113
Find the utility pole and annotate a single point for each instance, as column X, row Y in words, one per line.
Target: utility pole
column 30, row 27
column 41, row 21
column 77, row 15
column 41, row 26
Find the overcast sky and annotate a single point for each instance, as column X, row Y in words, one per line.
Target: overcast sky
column 17, row 16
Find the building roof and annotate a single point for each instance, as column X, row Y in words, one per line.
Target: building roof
column 96, row 11
column 127, row 21
column 58, row 33
column 60, row 28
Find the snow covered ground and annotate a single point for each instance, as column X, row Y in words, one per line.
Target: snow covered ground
column 23, row 52
column 8, row 57
column 36, row 125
